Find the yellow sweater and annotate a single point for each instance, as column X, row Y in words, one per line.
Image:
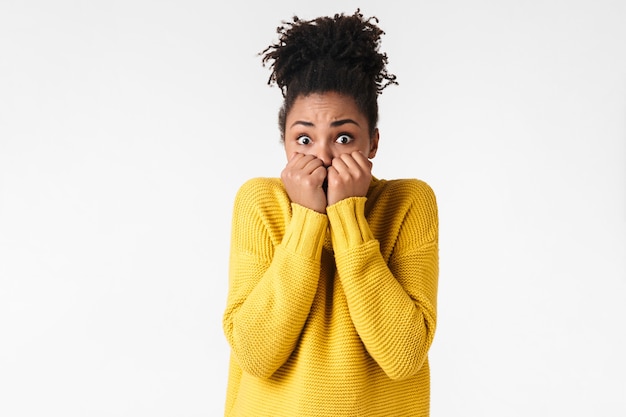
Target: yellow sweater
column 332, row 314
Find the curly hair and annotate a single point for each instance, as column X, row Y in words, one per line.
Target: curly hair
column 339, row 53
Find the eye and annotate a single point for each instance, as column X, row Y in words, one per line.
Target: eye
column 303, row 140
column 344, row 139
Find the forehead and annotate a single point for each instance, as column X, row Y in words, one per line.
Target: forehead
column 326, row 106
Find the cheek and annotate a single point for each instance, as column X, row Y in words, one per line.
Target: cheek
column 364, row 148
column 289, row 149
column 292, row 149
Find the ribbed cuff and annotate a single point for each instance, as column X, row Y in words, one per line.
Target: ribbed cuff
column 348, row 225
column 306, row 232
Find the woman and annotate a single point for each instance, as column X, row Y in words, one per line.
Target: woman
column 332, row 296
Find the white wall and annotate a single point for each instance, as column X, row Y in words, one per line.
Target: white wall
column 127, row 126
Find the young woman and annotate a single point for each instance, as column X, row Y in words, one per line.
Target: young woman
column 332, row 296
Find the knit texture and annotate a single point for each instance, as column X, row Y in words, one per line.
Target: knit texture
column 332, row 314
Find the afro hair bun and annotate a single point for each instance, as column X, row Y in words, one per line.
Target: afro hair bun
column 348, row 42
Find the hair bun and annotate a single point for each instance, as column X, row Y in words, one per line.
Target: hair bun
column 343, row 41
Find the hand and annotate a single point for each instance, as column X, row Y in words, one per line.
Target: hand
column 349, row 175
column 303, row 177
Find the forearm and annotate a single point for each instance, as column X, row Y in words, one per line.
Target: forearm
column 392, row 306
column 393, row 316
column 269, row 304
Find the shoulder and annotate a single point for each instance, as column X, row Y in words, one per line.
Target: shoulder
column 407, row 198
column 261, row 194
column 408, row 189
column 260, row 184
column 260, row 187
column 411, row 185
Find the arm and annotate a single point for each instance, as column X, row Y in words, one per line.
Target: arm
column 392, row 304
column 272, row 279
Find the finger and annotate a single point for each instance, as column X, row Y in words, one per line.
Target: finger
column 300, row 161
column 339, row 165
column 363, row 161
column 293, row 159
column 348, row 164
column 312, row 163
column 320, row 173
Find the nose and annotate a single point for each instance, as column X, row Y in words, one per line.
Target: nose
column 326, row 155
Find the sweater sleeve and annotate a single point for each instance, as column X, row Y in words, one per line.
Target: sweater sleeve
column 392, row 302
column 273, row 277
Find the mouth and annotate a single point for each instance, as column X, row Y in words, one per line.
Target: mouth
column 325, row 185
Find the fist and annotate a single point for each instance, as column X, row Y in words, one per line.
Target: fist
column 304, row 178
column 349, row 175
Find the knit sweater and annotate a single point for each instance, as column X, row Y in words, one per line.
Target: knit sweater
column 332, row 314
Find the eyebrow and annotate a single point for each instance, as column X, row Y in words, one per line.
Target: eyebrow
column 336, row 123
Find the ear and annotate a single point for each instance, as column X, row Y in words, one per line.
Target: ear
column 374, row 144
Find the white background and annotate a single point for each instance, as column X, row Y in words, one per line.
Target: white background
column 126, row 128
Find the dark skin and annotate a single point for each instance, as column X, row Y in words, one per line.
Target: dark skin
column 328, row 147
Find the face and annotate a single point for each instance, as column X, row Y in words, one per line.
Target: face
column 327, row 125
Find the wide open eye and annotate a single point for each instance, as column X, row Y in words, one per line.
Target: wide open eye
column 303, row 140
column 344, row 139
